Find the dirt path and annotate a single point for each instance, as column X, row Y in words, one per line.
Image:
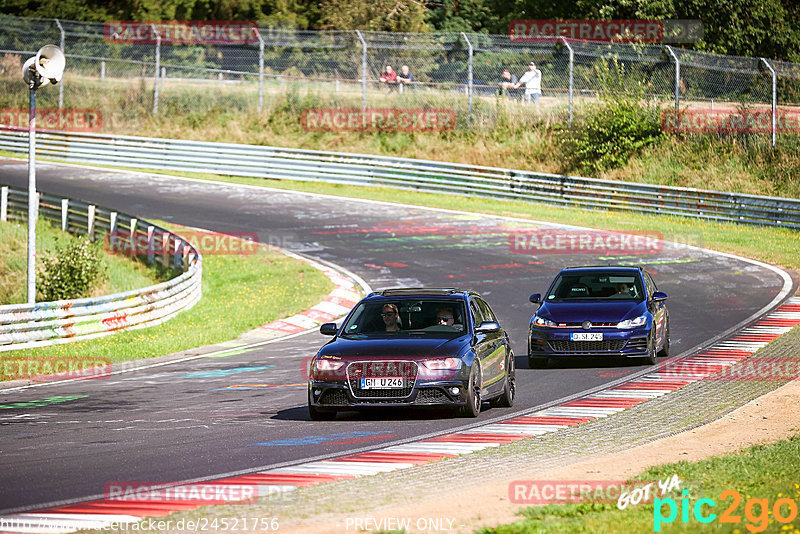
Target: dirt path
column 767, row 419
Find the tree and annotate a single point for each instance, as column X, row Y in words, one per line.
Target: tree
column 374, row 15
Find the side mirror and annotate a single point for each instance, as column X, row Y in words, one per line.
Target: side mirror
column 536, row 298
column 659, row 296
column 328, row 329
column 488, row 326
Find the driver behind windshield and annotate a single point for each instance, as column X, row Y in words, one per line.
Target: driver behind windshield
column 390, row 320
column 445, row 316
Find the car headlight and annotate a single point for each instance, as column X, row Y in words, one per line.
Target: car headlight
column 632, row 323
column 442, row 364
column 541, row 321
column 327, row 365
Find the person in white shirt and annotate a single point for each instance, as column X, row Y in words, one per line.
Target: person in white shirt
column 533, row 83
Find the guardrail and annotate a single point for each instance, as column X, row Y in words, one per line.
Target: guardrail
column 403, row 173
column 64, row 321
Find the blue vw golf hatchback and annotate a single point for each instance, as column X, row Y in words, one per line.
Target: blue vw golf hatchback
column 599, row 311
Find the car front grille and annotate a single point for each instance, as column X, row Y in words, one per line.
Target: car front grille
column 334, row 397
column 381, row 369
column 610, row 345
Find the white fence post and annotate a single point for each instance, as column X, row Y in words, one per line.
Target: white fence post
column 260, row 70
column 158, row 68
column 363, row 71
column 90, row 219
column 469, row 72
column 774, row 100
column 61, row 84
column 677, row 79
column 150, row 244
column 571, row 76
column 64, row 214
column 4, row 203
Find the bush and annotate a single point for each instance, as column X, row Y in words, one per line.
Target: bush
column 606, row 136
column 72, row 272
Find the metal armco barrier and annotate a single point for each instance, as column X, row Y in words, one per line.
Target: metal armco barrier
column 402, row 173
column 49, row 323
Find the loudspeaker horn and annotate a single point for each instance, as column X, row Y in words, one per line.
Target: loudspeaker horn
column 50, row 63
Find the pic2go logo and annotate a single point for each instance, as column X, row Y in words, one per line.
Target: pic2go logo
column 756, row 511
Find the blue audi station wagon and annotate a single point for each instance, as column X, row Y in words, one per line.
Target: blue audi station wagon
column 413, row 347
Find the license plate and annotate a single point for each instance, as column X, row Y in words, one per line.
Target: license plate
column 586, row 336
column 383, row 383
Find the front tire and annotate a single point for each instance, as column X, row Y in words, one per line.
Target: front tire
column 473, row 394
column 652, row 357
column 664, row 352
column 506, row 399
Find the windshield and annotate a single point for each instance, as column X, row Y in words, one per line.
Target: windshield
column 407, row 317
column 595, row 286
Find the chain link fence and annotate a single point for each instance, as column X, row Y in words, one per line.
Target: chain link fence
column 341, row 69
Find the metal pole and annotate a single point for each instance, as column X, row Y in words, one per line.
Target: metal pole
column 571, row 76
column 677, row 79
column 61, row 85
column 469, row 72
column 363, row 71
column 32, row 198
column 158, row 68
column 260, row 70
column 774, row 101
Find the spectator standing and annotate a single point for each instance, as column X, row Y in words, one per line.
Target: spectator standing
column 405, row 77
column 389, row 77
column 533, row 83
column 507, row 82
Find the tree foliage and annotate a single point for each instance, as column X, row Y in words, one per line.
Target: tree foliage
column 768, row 28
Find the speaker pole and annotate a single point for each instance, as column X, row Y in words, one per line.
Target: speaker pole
column 33, row 204
column 47, row 66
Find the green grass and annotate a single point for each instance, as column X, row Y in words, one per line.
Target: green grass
column 239, row 293
column 123, row 274
column 762, row 472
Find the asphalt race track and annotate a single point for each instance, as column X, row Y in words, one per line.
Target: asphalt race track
column 185, row 421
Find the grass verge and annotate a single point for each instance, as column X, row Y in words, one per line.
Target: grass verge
column 755, row 480
column 239, row 293
column 123, row 274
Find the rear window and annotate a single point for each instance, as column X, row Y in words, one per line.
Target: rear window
column 596, row 286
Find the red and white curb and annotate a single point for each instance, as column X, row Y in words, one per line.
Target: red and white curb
column 704, row 365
